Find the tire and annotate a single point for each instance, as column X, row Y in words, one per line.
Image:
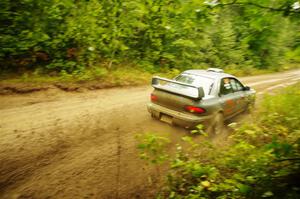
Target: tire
column 153, row 116
column 249, row 108
column 216, row 126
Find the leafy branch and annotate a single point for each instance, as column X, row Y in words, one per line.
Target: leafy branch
column 286, row 8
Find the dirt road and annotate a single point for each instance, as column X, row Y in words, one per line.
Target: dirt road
column 56, row 144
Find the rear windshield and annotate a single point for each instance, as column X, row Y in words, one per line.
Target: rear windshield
column 200, row 81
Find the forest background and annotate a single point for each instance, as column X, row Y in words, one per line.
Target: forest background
column 131, row 39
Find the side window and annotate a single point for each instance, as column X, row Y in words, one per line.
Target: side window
column 236, row 85
column 226, row 87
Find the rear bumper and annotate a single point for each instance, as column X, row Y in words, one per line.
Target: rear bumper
column 178, row 118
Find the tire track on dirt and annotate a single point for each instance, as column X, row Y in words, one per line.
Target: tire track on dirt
column 87, row 139
column 61, row 114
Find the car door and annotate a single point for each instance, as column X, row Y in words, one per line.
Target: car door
column 228, row 98
column 240, row 95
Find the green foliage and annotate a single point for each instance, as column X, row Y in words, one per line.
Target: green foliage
column 199, row 130
column 69, row 35
column 152, row 147
column 263, row 160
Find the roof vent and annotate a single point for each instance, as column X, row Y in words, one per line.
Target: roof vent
column 217, row 70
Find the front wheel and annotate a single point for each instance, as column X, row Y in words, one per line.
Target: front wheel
column 216, row 126
column 249, row 108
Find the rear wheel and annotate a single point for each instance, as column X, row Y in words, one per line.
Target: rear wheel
column 154, row 116
column 216, row 126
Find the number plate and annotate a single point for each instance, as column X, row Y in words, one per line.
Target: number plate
column 166, row 118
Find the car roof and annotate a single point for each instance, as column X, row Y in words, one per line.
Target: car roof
column 208, row 73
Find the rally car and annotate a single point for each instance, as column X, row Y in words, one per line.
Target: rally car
column 199, row 97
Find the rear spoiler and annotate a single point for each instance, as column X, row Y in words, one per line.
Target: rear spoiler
column 176, row 87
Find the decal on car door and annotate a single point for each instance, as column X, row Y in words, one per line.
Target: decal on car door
column 229, row 106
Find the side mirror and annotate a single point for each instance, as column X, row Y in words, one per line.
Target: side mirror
column 246, row 88
column 200, row 93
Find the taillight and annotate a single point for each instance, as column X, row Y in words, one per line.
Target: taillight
column 153, row 98
column 194, row 109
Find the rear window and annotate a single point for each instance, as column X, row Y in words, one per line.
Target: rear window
column 197, row 80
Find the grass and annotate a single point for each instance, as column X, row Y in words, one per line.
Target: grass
column 120, row 77
column 117, row 76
